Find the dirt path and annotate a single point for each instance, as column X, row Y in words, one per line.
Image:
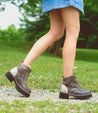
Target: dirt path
column 10, row 94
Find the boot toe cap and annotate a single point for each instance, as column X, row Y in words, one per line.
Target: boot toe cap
column 82, row 91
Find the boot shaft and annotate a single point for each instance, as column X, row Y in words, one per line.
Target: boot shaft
column 70, row 82
column 21, row 72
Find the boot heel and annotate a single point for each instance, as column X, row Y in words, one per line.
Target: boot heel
column 9, row 76
column 63, row 95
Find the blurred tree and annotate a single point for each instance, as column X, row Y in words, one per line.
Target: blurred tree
column 89, row 25
column 35, row 24
column 18, row 3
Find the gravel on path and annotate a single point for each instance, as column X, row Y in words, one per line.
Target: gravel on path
column 10, row 94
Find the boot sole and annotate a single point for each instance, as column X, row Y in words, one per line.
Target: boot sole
column 18, row 87
column 81, row 97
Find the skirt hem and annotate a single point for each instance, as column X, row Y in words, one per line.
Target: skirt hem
column 47, row 9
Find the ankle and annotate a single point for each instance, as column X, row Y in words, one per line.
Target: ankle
column 66, row 76
column 26, row 64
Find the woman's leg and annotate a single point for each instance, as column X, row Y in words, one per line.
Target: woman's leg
column 70, row 87
column 20, row 73
column 70, row 17
column 54, row 34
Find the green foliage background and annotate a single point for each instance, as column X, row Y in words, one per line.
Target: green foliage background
column 33, row 30
column 12, row 34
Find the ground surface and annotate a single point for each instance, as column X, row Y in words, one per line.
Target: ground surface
column 10, row 94
column 45, row 81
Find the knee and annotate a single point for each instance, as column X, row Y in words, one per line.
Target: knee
column 57, row 33
column 73, row 33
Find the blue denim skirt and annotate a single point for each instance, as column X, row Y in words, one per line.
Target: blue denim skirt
column 49, row 5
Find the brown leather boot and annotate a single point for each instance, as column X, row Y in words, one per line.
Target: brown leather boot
column 70, row 87
column 19, row 75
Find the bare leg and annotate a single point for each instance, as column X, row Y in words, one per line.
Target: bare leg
column 70, row 87
column 70, row 17
column 55, row 33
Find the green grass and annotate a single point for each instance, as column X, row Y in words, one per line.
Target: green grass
column 47, row 69
column 46, row 74
column 48, row 106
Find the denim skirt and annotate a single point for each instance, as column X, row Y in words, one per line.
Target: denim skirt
column 49, row 5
